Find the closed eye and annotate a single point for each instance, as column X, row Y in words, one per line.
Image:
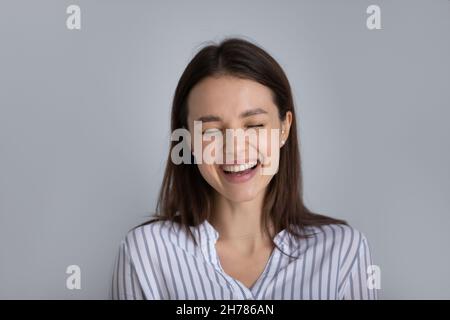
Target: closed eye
column 211, row 131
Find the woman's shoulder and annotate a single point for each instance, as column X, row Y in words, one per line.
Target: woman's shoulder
column 345, row 240
column 340, row 232
column 332, row 232
column 154, row 233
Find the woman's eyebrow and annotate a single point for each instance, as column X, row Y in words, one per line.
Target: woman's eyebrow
column 252, row 112
column 209, row 118
column 245, row 114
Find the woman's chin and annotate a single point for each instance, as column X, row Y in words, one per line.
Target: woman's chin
column 239, row 195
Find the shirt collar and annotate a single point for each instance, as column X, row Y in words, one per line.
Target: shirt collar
column 206, row 236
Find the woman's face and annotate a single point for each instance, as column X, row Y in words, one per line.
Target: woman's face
column 228, row 102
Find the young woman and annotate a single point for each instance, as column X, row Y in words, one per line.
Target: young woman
column 232, row 230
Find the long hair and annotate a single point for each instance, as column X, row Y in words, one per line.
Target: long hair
column 185, row 197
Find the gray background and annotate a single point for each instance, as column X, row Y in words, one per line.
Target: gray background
column 84, row 127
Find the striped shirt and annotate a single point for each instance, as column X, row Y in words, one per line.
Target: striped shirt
column 160, row 261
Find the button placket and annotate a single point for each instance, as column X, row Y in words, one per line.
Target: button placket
column 234, row 284
column 209, row 238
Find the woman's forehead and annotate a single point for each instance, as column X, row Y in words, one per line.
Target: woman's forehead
column 228, row 96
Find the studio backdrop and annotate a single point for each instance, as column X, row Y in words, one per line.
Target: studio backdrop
column 85, row 96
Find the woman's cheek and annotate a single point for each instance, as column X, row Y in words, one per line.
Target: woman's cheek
column 269, row 149
column 212, row 151
column 209, row 171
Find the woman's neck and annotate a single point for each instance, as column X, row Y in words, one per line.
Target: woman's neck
column 239, row 224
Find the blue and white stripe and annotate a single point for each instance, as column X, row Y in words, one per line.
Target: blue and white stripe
column 160, row 261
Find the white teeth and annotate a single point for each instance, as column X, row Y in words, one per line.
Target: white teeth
column 238, row 167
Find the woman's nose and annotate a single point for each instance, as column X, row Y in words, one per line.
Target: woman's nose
column 236, row 151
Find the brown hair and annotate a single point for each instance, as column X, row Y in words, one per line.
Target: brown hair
column 185, row 197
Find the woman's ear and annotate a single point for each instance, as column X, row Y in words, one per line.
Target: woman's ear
column 285, row 127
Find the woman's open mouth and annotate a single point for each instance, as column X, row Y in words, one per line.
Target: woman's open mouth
column 238, row 173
